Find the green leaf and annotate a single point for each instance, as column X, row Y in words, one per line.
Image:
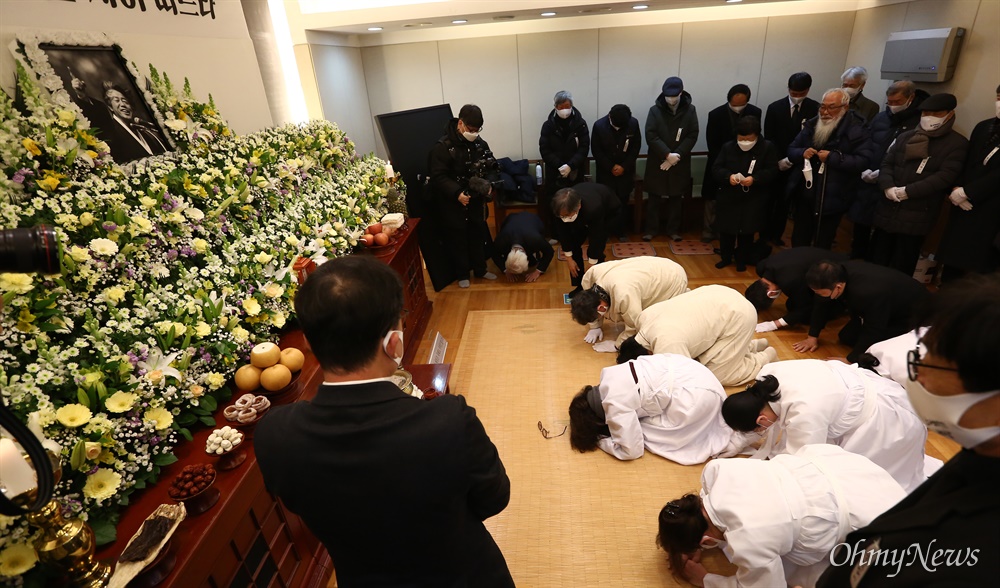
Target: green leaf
column 82, row 398
column 170, row 337
column 78, row 457
column 207, row 421
column 208, row 403
column 186, row 434
column 104, row 531
column 164, row 459
column 186, row 420
column 139, row 484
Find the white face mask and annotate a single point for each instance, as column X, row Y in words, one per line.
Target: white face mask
column 564, row 112
column 470, row 137
column 768, row 425
column 772, row 294
column 570, row 218
column 894, row 108
column 385, row 346
column 711, row 542
column 796, row 99
column 746, row 145
column 931, row 123
column 852, row 92
column 998, row 108
column 737, row 109
column 942, row 413
column 672, row 100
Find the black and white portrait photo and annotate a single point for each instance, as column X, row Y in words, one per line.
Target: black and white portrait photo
column 106, row 92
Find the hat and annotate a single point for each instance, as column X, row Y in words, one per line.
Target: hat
column 939, row 102
column 673, row 86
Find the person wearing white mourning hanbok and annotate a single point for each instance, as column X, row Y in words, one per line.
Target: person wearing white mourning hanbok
column 812, row 401
column 777, row 520
column 667, row 404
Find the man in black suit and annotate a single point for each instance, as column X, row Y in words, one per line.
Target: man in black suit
column 395, row 488
column 784, row 272
column 721, row 129
column 615, row 142
column 520, row 245
column 583, row 213
column 881, row 301
column 785, row 119
column 128, row 136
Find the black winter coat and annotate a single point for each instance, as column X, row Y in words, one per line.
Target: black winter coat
column 885, row 127
column 453, row 160
column 970, row 242
column 925, row 190
column 720, row 129
column 833, row 190
column 527, row 230
column 564, row 141
column 740, row 211
column 616, row 147
column 670, row 132
column 787, row 268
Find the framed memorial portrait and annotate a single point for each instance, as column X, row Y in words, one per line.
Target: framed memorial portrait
column 88, row 73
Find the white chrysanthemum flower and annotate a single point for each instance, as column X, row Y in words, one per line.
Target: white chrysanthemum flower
column 102, row 484
column 103, row 246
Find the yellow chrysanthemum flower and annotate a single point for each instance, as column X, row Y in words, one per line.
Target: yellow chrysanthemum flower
column 120, row 402
column 251, row 306
column 18, row 283
column 102, row 484
column 17, row 559
column 160, row 416
column 73, row 415
column 31, row 146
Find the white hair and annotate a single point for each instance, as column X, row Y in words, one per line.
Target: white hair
column 844, row 96
column 562, row 96
column 517, row 261
column 855, row 73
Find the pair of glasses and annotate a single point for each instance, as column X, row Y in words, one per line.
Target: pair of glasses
column 825, row 108
column 913, row 361
column 546, row 434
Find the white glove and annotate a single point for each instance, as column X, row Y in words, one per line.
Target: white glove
column 666, row 165
column 594, row 335
column 605, row 347
column 766, row 327
column 674, row 158
column 564, row 170
column 737, row 441
column 890, row 193
column 785, row 164
column 739, row 177
column 958, row 196
column 901, row 194
column 966, row 205
column 869, row 176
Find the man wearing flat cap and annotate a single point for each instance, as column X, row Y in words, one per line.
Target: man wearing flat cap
column 671, row 132
column 917, row 174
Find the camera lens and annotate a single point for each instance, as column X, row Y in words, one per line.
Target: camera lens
column 24, row 251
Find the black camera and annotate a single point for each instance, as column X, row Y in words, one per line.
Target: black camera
column 25, row 251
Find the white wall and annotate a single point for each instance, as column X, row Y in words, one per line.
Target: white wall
column 345, row 101
column 978, row 71
column 216, row 55
column 513, row 77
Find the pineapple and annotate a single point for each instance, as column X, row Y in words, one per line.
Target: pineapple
column 396, row 201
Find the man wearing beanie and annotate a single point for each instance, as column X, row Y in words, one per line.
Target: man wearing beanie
column 615, row 144
column 671, row 132
column 918, row 172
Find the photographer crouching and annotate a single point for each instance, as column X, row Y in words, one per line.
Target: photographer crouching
column 462, row 169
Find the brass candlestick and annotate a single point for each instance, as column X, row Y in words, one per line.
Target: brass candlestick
column 65, row 544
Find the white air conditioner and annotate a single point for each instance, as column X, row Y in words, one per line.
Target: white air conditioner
column 922, row 56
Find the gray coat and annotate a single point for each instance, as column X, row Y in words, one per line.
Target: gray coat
column 670, row 132
column 925, row 190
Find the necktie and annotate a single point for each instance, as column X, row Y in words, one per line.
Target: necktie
column 795, row 111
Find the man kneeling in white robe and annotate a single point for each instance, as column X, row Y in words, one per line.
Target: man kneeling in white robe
column 667, row 404
column 712, row 324
column 777, row 520
column 617, row 291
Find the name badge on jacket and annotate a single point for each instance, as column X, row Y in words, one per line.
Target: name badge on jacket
column 920, row 168
column 753, row 162
column 678, row 135
column 987, row 160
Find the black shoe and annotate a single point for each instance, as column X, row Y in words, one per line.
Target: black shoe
column 716, row 251
column 741, row 267
column 575, row 291
column 722, row 264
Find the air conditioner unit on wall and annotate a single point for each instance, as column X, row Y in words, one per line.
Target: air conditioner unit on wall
column 922, row 56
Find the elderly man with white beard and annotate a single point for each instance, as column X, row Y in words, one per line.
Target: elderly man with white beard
column 831, row 151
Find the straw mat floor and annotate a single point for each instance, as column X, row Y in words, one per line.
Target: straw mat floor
column 574, row 519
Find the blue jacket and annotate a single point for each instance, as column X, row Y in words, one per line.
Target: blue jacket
column 850, row 148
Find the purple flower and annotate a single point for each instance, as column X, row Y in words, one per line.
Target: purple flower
column 172, row 254
column 215, row 189
column 109, row 227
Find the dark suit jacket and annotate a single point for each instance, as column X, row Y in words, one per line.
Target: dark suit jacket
column 396, row 488
column 883, row 298
column 787, row 268
column 124, row 147
column 779, row 126
column 610, row 148
column 598, row 205
column 527, row 230
column 721, row 129
column 955, row 509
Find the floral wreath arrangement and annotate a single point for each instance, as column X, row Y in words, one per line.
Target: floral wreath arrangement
column 174, row 267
